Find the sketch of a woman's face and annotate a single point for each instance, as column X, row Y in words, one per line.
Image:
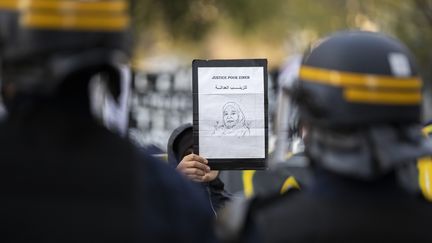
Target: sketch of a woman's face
column 231, row 116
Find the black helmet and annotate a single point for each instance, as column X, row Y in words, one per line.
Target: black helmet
column 50, row 40
column 360, row 94
column 359, row 78
column 8, row 20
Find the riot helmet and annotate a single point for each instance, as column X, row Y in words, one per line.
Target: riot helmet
column 359, row 78
column 359, row 95
column 50, row 41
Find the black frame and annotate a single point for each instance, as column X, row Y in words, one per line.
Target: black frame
column 228, row 163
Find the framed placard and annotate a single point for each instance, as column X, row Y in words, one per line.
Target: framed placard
column 230, row 119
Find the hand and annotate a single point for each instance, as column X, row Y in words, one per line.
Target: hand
column 210, row 175
column 196, row 169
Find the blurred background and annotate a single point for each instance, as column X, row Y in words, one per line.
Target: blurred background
column 168, row 35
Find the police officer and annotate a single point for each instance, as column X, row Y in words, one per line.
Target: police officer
column 288, row 167
column 359, row 96
column 63, row 176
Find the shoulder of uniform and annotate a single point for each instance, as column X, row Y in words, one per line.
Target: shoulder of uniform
column 233, row 219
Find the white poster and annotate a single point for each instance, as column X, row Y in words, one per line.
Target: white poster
column 231, row 112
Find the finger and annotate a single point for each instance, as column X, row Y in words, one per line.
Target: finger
column 192, row 165
column 194, row 171
column 195, row 157
column 183, row 165
column 195, row 178
column 206, row 178
column 210, row 176
column 198, row 165
column 204, row 160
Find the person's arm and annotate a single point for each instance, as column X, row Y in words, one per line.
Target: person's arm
column 178, row 206
column 196, row 168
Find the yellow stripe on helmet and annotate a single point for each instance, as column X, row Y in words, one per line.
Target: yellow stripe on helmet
column 382, row 97
column 75, row 22
column 65, row 5
column 77, row 6
column 350, row 79
column 9, row 5
column 367, row 88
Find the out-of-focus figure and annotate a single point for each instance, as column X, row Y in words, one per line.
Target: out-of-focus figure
column 287, row 165
column 65, row 177
column 359, row 96
column 289, row 139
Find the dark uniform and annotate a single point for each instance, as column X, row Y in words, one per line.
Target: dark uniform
column 64, row 177
column 280, row 178
column 337, row 209
column 67, row 179
column 359, row 96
